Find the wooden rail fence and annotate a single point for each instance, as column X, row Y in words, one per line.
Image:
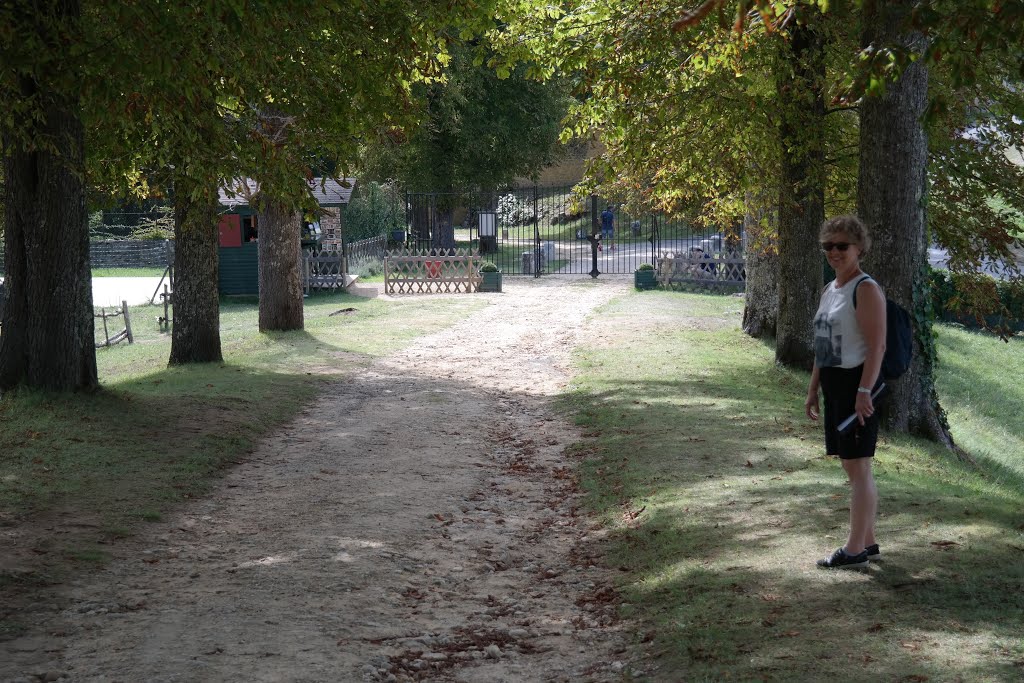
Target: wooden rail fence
column 431, row 271
column 369, row 249
column 323, row 269
column 692, row 269
column 118, row 337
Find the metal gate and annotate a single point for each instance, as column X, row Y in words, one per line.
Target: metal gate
column 548, row 231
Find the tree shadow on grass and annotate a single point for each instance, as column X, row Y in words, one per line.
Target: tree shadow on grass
column 732, row 490
column 700, row 421
column 747, row 623
column 728, row 597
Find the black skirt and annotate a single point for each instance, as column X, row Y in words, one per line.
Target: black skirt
column 839, row 391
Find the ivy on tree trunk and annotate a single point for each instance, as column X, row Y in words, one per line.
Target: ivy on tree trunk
column 891, row 199
column 195, row 337
column 48, row 330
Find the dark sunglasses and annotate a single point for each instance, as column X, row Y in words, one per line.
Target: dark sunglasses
column 829, row 246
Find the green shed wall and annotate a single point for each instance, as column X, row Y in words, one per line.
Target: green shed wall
column 239, row 269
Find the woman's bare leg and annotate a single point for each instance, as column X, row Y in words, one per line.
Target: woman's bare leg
column 863, row 504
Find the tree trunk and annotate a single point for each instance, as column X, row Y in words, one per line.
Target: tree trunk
column 801, row 193
column 422, row 210
column 196, row 334
column 442, row 237
column 280, row 277
column 891, row 201
column 761, row 261
column 48, row 334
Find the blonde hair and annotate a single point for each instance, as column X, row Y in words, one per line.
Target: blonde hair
column 852, row 226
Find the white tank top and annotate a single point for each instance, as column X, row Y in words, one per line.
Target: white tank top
column 838, row 341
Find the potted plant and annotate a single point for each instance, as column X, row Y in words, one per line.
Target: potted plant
column 644, row 277
column 490, row 278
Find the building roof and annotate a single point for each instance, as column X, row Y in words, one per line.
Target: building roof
column 326, row 191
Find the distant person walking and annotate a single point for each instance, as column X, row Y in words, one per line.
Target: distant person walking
column 607, row 227
column 849, row 342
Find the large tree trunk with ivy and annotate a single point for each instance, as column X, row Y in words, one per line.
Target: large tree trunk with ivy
column 47, row 341
column 195, row 337
column 891, row 200
column 800, row 85
column 280, row 276
column 761, row 262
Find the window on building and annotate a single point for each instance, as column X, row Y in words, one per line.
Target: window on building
column 249, row 231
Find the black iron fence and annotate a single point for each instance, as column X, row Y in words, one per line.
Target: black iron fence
column 524, row 231
column 535, row 231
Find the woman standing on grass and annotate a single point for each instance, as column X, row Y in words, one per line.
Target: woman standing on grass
column 849, row 342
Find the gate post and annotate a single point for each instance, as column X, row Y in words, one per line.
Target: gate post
column 594, row 240
column 536, row 236
column 654, row 239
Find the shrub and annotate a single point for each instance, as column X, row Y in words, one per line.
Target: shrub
column 977, row 297
column 152, row 232
column 489, row 268
column 514, row 212
column 645, row 266
column 158, row 227
column 377, row 211
column 368, row 268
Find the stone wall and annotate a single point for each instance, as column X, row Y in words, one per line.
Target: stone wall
column 568, row 170
column 330, row 229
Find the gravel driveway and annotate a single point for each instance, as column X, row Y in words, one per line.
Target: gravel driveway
column 419, row 523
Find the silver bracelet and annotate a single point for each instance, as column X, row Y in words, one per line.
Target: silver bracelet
column 863, row 390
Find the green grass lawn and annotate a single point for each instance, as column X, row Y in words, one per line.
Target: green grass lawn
column 155, row 271
column 980, row 386
column 718, row 498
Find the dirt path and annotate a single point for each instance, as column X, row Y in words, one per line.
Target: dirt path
column 418, row 524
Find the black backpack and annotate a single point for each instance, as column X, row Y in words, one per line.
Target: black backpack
column 899, row 336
